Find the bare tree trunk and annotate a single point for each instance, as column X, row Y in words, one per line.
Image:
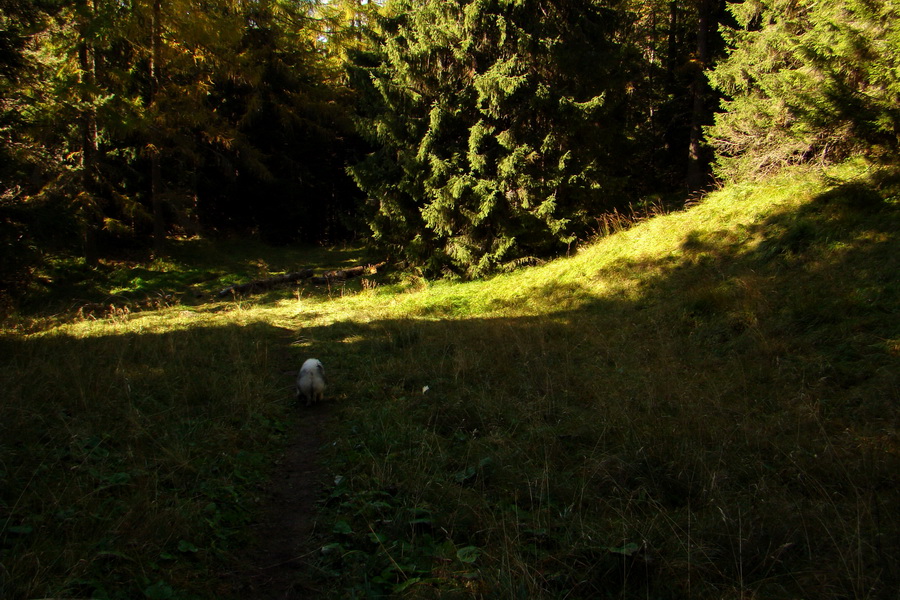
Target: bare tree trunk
column 672, row 50
column 159, row 223
column 89, row 147
column 697, row 172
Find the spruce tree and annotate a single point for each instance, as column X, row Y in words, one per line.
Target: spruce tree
column 499, row 127
column 153, row 116
column 807, row 80
column 283, row 173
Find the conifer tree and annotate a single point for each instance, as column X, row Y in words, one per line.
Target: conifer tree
column 669, row 99
column 498, row 126
column 144, row 117
column 77, row 107
column 807, row 80
column 20, row 22
column 284, row 172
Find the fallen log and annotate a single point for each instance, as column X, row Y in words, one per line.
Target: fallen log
column 326, row 278
column 345, row 274
column 352, row 272
column 265, row 284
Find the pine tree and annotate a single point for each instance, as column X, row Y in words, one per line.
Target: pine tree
column 499, row 128
column 670, row 101
column 76, row 105
column 284, row 172
column 807, row 80
column 20, row 157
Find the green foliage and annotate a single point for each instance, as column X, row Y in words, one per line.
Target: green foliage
column 195, row 270
column 808, row 80
column 497, row 127
column 696, row 404
column 282, row 169
column 384, row 546
column 130, row 458
column 702, row 404
column 235, row 107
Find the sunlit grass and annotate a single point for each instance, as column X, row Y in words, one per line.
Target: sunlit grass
column 700, row 405
column 675, row 411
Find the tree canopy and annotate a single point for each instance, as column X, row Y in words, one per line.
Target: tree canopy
column 807, row 80
column 497, row 126
column 461, row 136
column 136, row 120
column 501, row 129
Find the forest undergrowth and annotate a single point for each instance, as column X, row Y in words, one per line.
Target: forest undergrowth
column 702, row 405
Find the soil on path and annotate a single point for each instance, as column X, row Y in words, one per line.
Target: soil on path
column 287, row 527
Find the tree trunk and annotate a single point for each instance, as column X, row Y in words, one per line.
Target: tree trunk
column 672, row 50
column 159, row 223
column 697, row 173
column 89, row 147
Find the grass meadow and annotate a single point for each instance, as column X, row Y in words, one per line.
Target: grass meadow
column 702, row 405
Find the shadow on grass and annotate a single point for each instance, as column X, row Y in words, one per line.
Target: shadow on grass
column 191, row 274
column 732, row 431
column 129, row 461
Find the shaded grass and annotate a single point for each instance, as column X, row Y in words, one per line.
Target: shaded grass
column 192, row 271
column 703, row 405
column 130, row 452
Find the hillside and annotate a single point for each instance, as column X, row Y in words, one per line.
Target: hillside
column 704, row 405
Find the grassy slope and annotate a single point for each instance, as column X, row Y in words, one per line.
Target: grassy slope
column 704, row 405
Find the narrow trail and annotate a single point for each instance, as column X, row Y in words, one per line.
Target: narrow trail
column 288, row 516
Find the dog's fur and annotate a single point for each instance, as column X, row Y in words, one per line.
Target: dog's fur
column 311, row 381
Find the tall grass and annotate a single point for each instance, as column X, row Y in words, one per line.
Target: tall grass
column 702, row 405
column 129, row 453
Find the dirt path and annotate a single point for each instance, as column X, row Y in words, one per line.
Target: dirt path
column 288, row 522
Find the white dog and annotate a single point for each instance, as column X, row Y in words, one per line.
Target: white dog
column 311, row 381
